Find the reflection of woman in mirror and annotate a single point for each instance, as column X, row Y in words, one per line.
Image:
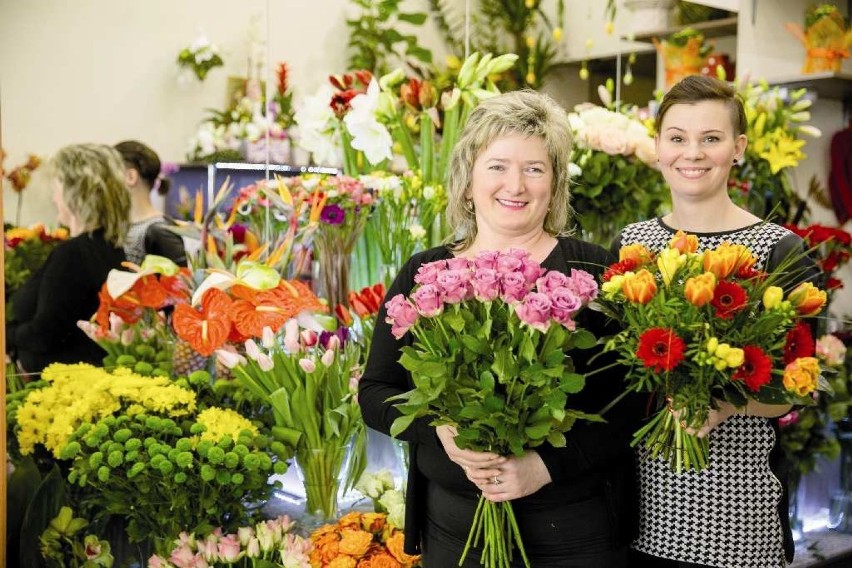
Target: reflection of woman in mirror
column 92, row 201
column 149, row 228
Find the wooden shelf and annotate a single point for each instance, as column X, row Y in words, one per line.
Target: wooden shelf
column 710, row 29
column 827, row 85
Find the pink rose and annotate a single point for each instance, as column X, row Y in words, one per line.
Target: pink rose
column 454, row 285
column 535, row 311
column 507, row 263
column 486, row 284
column 514, row 287
column 427, row 300
column 428, row 273
column 613, row 141
column 565, row 305
column 531, row 270
column 486, row 259
column 458, row 263
column 520, row 254
column 583, row 284
column 401, row 315
column 550, row 282
column 182, row 557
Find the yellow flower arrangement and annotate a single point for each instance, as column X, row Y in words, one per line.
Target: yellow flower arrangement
column 81, row 393
column 826, row 38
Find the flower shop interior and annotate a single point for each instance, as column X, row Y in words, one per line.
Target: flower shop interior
column 255, row 106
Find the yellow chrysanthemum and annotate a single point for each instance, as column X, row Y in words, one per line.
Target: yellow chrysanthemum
column 223, row 422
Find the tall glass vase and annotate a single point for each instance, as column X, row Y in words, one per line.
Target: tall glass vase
column 840, row 511
column 321, row 471
column 793, row 483
column 331, row 275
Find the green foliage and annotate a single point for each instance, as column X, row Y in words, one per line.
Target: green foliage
column 375, row 40
column 163, row 478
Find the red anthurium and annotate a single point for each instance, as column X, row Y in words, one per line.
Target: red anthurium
column 206, row 329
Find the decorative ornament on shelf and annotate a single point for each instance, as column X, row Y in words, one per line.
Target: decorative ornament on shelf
column 826, row 38
column 199, row 58
column 684, row 54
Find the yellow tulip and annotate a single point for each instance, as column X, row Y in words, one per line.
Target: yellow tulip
column 635, row 251
column 668, row 261
column 801, row 376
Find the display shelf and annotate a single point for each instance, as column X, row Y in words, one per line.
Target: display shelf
column 710, row 29
column 827, row 85
column 824, row 549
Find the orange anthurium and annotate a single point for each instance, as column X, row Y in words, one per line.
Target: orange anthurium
column 127, row 310
column 265, row 309
column 208, row 329
column 150, row 292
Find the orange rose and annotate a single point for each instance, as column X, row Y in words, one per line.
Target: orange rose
column 373, row 522
column 350, row 521
column 395, row 546
column 683, row 242
column 325, row 549
column 355, row 542
column 342, row 562
column 698, row 290
column 726, row 259
column 379, row 560
column 807, row 299
column 801, row 375
column 636, row 252
column 639, row 287
column 322, row 531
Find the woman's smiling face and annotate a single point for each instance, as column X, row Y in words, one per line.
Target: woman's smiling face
column 511, row 186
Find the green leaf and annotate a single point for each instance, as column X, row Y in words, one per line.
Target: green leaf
column 420, row 53
column 401, row 424
column 557, row 439
column 572, row 383
column 583, row 339
column 416, row 18
column 538, row 431
column 494, row 403
column 486, row 380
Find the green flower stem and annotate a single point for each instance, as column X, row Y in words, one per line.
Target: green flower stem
column 404, row 139
column 321, row 471
column 497, row 525
column 427, row 152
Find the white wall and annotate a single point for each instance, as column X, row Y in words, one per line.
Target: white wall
column 104, row 70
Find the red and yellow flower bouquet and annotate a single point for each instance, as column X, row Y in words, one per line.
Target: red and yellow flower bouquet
column 704, row 327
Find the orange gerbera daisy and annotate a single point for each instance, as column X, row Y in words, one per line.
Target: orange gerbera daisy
column 205, row 330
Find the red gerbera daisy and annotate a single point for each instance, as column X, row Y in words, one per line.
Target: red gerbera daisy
column 755, row 369
column 617, row 268
column 728, row 299
column 661, row 349
column 799, row 343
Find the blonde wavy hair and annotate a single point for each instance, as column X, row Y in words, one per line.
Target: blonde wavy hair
column 528, row 113
column 92, row 179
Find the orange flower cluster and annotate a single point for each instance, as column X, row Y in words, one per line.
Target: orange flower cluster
column 153, row 291
column 242, row 314
column 360, row 540
column 20, row 176
column 365, row 304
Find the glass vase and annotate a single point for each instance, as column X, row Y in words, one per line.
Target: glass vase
column 840, row 511
column 793, row 484
column 321, row 471
column 331, row 276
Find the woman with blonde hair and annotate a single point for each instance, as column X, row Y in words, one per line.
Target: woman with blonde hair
column 508, row 188
column 92, row 201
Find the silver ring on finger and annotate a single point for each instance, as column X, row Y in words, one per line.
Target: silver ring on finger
column 496, row 480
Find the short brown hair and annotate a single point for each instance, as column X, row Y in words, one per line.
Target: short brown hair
column 528, row 113
column 698, row 88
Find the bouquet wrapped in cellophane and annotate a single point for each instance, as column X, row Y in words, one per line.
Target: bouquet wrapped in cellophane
column 702, row 327
column 489, row 357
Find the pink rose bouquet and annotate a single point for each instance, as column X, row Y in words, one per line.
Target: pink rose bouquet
column 489, row 357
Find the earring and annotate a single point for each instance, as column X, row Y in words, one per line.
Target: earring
column 736, row 161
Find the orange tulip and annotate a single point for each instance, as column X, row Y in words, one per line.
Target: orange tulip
column 683, row 242
column 801, row 375
column 635, row 251
column 807, row 299
column 727, row 259
column 698, row 290
column 639, row 287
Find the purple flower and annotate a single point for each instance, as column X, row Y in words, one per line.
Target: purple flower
column 332, row 214
column 428, row 273
column 535, row 311
column 169, row 168
column 342, row 334
column 458, row 263
column 401, row 315
column 486, row 259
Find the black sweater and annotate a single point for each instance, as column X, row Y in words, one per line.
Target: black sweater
column 597, row 459
column 45, row 310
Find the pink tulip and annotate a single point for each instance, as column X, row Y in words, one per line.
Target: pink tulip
column 535, row 311
column 127, row 336
column 245, row 534
column 333, row 343
column 252, row 350
column 267, row 337
column 265, row 362
column 182, row 557
column 309, row 337
column 291, row 336
column 328, row 358
column 230, row 358
column 307, row 365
